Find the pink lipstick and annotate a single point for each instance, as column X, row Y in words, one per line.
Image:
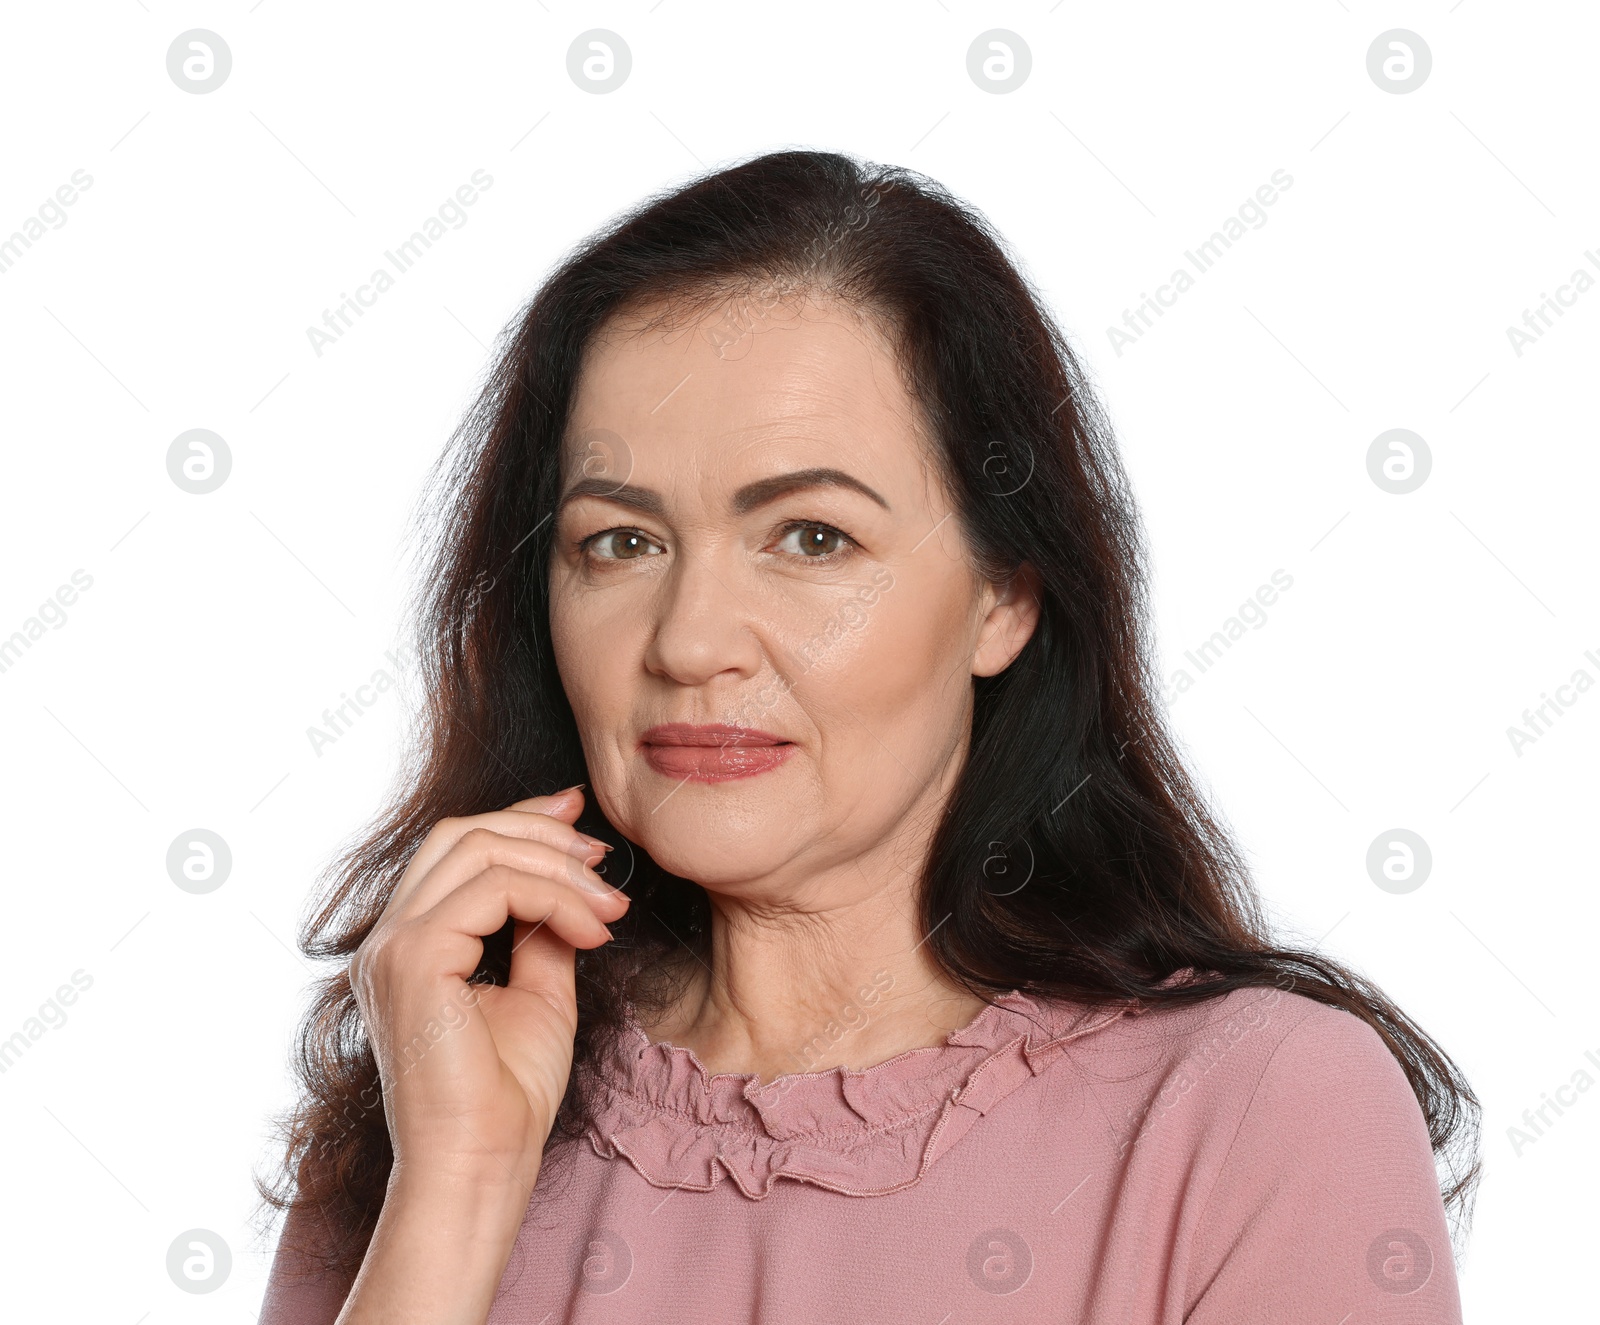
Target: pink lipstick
column 715, row 752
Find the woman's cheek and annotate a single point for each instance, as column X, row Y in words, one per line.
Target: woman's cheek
column 830, row 632
column 580, row 654
column 909, row 650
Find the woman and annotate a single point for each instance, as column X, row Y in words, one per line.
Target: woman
column 919, row 984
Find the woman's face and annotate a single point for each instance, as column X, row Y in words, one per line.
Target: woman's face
column 754, row 536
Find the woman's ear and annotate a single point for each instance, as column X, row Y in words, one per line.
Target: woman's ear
column 1009, row 623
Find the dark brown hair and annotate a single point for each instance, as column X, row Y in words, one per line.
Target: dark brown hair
column 1128, row 877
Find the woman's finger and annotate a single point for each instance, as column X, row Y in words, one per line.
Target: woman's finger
column 539, row 956
column 531, row 824
column 483, row 904
column 553, row 822
column 481, row 847
column 544, row 804
column 563, row 808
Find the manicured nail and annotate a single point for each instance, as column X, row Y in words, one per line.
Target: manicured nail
column 587, row 849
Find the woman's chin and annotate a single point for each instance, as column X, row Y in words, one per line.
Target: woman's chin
column 685, row 849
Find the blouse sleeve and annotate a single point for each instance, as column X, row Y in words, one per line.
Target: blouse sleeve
column 1327, row 1206
column 299, row 1290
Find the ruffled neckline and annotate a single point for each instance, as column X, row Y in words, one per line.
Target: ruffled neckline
column 858, row 1131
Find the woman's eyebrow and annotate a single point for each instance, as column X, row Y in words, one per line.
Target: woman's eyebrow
column 624, row 494
column 759, row 493
column 747, row 499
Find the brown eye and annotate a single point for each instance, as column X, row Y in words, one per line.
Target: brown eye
column 620, row 545
column 814, row 541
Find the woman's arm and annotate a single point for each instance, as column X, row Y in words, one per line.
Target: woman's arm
column 439, row 1250
column 437, row 1254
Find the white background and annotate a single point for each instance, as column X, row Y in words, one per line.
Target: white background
column 178, row 692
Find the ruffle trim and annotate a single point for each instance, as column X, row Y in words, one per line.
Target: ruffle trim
column 860, row 1132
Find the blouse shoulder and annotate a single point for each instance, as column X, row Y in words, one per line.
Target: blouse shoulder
column 1322, row 1063
column 1327, row 1189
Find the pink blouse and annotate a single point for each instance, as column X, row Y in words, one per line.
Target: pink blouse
column 1256, row 1158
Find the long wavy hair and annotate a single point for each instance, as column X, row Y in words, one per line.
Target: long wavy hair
column 1072, row 783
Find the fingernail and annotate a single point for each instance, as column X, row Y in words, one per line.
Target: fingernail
column 587, row 849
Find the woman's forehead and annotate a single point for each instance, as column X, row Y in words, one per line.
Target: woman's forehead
column 819, row 389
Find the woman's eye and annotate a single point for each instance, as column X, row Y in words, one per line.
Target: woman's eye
column 619, row 544
column 816, row 541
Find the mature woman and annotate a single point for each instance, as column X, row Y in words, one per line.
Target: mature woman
column 878, row 961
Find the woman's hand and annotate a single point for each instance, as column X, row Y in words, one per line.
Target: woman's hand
column 472, row 1074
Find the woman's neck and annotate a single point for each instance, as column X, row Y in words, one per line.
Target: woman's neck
column 807, row 991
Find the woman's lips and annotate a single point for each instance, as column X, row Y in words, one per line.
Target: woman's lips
column 712, row 753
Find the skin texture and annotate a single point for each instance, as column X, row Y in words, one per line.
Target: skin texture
column 862, row 659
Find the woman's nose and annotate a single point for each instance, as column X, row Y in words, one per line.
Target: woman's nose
column 702, row 626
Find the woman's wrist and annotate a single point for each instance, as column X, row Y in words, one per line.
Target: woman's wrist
column 439, row 1249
